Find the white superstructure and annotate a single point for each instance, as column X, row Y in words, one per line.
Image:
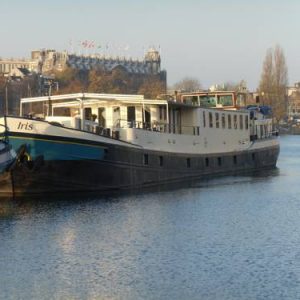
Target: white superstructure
column 171, row 126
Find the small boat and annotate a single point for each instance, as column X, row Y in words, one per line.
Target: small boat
column 88, row 142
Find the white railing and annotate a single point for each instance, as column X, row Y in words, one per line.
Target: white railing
column 158, row 127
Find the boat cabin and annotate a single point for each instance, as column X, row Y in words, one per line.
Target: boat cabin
column 104, row 113
column 131, row 117
column 217, row 99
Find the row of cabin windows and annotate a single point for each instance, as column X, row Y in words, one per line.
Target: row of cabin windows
column 161, row 161
column 220, row 122
column 188, row 160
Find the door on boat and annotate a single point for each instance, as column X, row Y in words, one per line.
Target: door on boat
column 147, row 119
column 131, row 116
column 101, row 117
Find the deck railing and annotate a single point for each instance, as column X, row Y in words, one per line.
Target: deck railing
column 158, row 127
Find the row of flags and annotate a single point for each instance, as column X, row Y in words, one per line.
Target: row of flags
column 86, row 44
column 90, row 45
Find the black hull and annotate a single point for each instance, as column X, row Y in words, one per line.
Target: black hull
column 124, row 168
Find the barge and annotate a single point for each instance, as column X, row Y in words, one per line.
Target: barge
column 89, row 142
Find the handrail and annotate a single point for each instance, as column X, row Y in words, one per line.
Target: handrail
column 158, row 127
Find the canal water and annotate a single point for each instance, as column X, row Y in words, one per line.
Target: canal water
column 227, row 238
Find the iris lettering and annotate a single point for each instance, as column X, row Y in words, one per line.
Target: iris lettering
column 25, row 126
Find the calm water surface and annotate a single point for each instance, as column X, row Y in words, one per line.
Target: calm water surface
column 229, row 238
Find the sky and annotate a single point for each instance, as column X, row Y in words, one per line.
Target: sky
column 214, row 41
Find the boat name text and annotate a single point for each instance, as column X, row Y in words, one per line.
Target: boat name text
column 26, row 126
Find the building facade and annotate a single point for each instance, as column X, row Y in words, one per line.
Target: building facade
column 10, row 67
column 148, row 66
column 293, row 108
column 46, row 61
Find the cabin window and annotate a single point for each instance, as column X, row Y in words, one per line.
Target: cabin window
column 88, row 113
column 147, row 120
column 146, row 159
column 246, row 122
column 210, row 116
column 223, row 121
column 193, row 100
column 225, row 100
column 253, row 156
column 241, row 122
column 188, row 162
column 219, row 161
column 204, row 119
column 101, row 117
column 208, row 101
column 235, row 121
column 229, row 122
column 206, row 161
column 235, row 159
column 161, row 161
column 217, row 120
column 198, row 130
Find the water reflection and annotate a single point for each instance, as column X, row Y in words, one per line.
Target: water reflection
column 228, row 238
column 32, row 205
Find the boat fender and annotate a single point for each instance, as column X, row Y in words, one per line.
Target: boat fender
column 24, row 157
column 27, row 161
column 27, row 157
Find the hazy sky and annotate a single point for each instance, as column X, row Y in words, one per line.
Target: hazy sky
column 214, row 41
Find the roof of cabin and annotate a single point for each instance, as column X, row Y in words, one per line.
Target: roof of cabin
column 93, row 97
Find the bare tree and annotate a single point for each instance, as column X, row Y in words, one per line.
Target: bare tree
column 273, row 82
column 152, row 88
column 230, row 86
column 234, row 86
column 267, row 78
column 188, row 84
column 281, row 82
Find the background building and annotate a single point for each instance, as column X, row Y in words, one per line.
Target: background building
column 293, row 108
column 10, row 67
column 39, row 75
column 47, row 60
